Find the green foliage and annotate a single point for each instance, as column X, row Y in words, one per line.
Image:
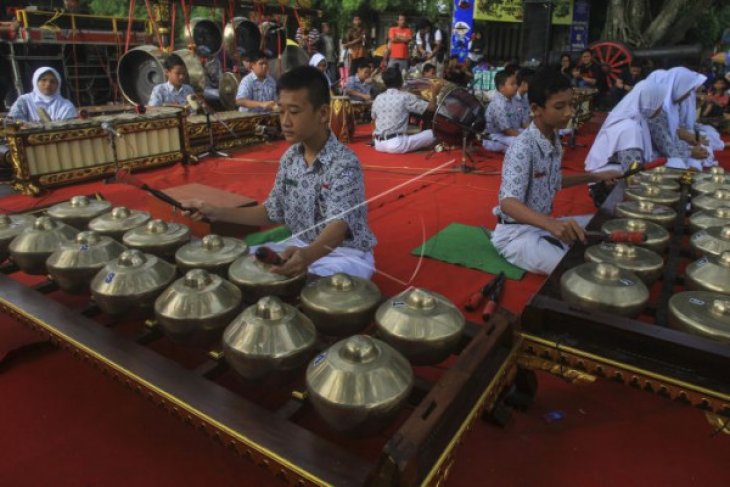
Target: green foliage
column 710, row 27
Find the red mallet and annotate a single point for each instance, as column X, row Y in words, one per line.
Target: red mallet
column 493, row 299
column 618, row 237
column 268, row 256
column 476, row 299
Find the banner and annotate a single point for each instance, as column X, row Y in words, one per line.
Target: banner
column 511, row 11
column 461, row 28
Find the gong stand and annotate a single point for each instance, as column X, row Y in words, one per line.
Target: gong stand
column 581, row 345
column 212, row 150
column 270, row 423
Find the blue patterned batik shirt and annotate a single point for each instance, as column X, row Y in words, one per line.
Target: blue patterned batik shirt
column 166, row 94
column 531, row 171
column 252, row 88
column 306, row 198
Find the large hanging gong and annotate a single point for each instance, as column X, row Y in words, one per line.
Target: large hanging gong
column 227, row 89
column 204, row 33
column 242, row 35
column 291, row 57
column 142, row 68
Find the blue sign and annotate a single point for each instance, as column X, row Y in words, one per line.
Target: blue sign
column 578, row 37
column 461, row 28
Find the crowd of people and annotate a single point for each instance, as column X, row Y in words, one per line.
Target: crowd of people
column 319, row 190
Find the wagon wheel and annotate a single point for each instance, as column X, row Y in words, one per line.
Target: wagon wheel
column 612, row 56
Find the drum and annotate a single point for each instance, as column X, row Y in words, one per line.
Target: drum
column 423, row 87
column 227, row 89
column 583, row 105
column 458, row 114
column 242, row 36
column 342, row 119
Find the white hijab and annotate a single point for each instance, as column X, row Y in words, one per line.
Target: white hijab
column 316, row 59
column 680, row 81
column 57, row 107
column 626, row 126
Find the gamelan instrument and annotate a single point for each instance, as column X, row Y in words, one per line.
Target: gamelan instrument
column 132, row 280
column 290, row 57
column 374, row 382
column 710, row 273
column 74, row 263
column 583, row 101
column 269, row 337
column 231, row 130
column 142, row 68
column 118, row 221
column 645, row 263
column 422, row 325
column 79, row 211
column 64, row 152
column 227, row 89
column 30, row 249
column 256, row 279
column 711, row 241
column 212, row 253
column 10, row 227
column 710, row 201
column 459, row 116
column 340, row 304
column 701, row 220
column 656, row 237
column 201, row 32
column 242, row 37
column 159, row 238
column 342, row 119
column 196, row 308
column 702, row 313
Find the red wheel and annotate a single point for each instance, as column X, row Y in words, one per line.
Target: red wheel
column 612, row 56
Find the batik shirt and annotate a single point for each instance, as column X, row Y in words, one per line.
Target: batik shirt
column 502, row 114
column 665, row 143
column 354, row 83
column 626, row 157
column 392, row 109
column 522, row 103
column 531, row 171
column 166, row 94
column 307, row 198
column 252, row 88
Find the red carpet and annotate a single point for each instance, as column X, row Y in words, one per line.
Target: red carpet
column 66, row 424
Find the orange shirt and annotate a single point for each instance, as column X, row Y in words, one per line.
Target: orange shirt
column 399, row 50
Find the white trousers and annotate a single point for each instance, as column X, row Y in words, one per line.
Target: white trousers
column 526, row 247
column 406, row 143
column 498, row 142
column 342, row 259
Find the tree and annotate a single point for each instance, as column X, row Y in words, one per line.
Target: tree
column 647, row 23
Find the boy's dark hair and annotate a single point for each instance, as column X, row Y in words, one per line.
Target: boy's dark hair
column 511, row 68
column 361, row 63
column 428, row 67
column 544, row 84
column 424, row 23
column 392, row 77
column 723, row 79
column 524, row 75
column 256, row 55
column 171, row 61
column 635, row 63
column 501, row 78
column 309, row 78
column 585, row 51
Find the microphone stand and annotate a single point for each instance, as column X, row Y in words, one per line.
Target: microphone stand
column 212, row 149
column 111, row 136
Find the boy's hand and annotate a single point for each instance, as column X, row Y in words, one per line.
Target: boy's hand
column 200, row 210
column 699, row 152
column 567, row 231
column 610, row 177
column 297, row 262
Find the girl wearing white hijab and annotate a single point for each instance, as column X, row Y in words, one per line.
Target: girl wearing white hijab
column 624, row 136
column 318, row 61
column 46, row 95
column 669, row 131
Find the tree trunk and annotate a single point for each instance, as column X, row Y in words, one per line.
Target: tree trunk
column 618, row 27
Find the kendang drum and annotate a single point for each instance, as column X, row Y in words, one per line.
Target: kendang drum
column 459, row 115
column 342, row 119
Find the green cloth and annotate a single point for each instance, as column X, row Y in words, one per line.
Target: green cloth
column 276, row 234
column 468, row 246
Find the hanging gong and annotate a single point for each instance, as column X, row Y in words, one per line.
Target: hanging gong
column 142, row 68
column 227, row 89
column 291, row 57
column 204, row 33
column 241, row 36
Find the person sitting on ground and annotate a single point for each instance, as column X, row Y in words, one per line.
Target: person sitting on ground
column 318, row 193
column 625, row 138
column 504, row 120
column 358, row 86
column 457, row 72
column 257, row 90
column 627, row 81
column 44, row 100
column 391, row 111
column 527, row 234
column 318, row 61
column 175, row 91
column 521, row 98
column 716, row 101
column 428, row 71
